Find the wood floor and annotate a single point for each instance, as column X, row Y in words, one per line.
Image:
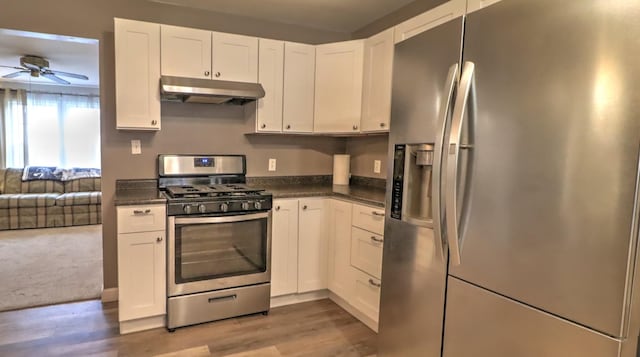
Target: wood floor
column 318, row 328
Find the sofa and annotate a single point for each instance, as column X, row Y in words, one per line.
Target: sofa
column 54, row 201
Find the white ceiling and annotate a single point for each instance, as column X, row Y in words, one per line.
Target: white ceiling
column 64, row 53
column 331, row 15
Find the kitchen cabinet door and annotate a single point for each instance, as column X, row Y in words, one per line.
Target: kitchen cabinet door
column 430, row 19
column 137, row 50
column 475, row 5
column 186, row 52
column 141, row 275
column 299, row 87
column 338, row 103
column 235, row 57
column 312, row 245
column 271, row 76
column 376, row 93
column 284, row 248
column 339, row 235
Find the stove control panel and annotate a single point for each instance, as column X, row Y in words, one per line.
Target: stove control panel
column 219, row 206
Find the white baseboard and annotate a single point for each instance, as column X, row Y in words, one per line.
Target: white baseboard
column 369, row 322
column 110, row 295
column 298, row 298
column 146, row 323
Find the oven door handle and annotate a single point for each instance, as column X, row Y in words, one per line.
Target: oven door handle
column 225, row 219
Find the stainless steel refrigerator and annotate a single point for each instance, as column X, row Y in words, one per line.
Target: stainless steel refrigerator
column 512, row 219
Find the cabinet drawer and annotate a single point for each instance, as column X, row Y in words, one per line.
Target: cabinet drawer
column 141, row 218
column 366, row 251
column 368, row 218
column 366, row 293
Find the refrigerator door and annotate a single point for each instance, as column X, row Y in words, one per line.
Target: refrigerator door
column 483, row 324
column 414, row 264
column 552, row 208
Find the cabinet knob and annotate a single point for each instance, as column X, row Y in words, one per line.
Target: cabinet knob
column 154, row 122
column 355, row 127
column 218, row 74
column 263, row 126
column 288, row 126
column 159, row 239
column 382, row 125
column 277, row 208
column 304, row 207
column 207, row 73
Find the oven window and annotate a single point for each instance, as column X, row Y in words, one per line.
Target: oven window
column 218, row 250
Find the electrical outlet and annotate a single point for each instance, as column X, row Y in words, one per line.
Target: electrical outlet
column 272, row 164
column 376, row 166
column 136, row 148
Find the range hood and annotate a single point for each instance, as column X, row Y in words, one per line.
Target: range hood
column 208, row 91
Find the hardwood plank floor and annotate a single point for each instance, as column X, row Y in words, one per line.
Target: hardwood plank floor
column 90, row 328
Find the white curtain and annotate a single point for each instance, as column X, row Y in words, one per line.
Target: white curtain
column 62, row 130
column 12, row 119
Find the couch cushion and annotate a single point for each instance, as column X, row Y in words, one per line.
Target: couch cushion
column 83, row 185
column 42, row 186
column 28, row 200
column 79, row 198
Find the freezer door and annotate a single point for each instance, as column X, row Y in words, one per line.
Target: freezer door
column 551, row 215
column 414, row 262
column 483, row 324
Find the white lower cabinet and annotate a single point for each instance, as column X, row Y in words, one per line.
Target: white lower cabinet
column 333, row 252
column 141, row 268
column 284, row 248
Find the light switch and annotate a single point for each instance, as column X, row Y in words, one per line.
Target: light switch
column 272, row 164
column 376, row 166
column 136, row 148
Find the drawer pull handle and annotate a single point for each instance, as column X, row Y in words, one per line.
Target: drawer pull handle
column 228, row 297
column 376, row 239
column 159, row 239
column 373, row 283
column 377, row 214
column 139, row 211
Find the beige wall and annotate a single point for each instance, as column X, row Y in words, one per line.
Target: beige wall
column 364, row 151
column 188, row 128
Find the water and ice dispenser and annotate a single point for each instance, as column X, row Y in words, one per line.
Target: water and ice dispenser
column 411, row 191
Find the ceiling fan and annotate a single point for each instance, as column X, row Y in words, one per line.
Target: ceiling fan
column 37, row 66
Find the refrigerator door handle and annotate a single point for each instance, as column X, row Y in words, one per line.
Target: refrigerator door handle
column 467, row 90
column 436, row 183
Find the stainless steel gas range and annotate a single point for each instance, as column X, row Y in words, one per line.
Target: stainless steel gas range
column 219, row 248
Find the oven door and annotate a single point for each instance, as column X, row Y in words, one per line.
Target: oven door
column 212, row 253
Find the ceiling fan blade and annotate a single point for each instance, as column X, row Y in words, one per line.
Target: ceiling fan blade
column 14, row 67
column 67, row 74
column 54, row 78
column 15, row 74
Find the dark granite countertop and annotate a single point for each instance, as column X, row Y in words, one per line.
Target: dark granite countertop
column 138, row 192
column 363, row 194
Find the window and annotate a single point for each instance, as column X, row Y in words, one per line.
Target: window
column 52, row 130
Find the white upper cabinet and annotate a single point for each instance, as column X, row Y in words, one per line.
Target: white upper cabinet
column 299, row 87
column 186, row 52
column 430, row 19
column 376, row 94
column 235, row 58
column 475, row 5
column 271, row 76
column 338, row 103
column 137, row 50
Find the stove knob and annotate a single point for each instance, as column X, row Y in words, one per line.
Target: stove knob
column 224, row 207
column 187, row 209
column 245, row 206
column 202, row 208
column 257, row 205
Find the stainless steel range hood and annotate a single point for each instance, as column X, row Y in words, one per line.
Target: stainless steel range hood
column 208, row 91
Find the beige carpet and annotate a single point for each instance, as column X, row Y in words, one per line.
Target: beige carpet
column 49, row 266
